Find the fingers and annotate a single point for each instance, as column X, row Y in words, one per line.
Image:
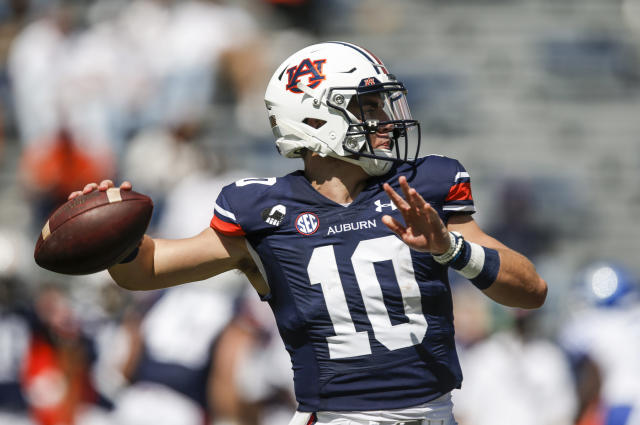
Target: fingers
column 415, row 199
column 431, row 214
column 395, row 198
column 393, row 224
column 412, row 199
column 404, row 185
column 74, row 194
column 104, row 185
column 89, row 188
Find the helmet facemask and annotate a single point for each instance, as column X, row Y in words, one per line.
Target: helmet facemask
column 376, row 111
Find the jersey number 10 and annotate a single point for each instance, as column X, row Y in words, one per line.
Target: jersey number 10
column 348, row 342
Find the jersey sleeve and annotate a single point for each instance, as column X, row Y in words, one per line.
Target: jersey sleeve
column 459, row 197
column 224, row 218
column 239, row 208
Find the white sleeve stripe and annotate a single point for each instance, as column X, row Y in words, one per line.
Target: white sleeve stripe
column 459, row 208
column 461, row 175
column 476, row 262
column 224, row 212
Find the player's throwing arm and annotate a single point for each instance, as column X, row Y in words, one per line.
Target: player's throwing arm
column 160, row 263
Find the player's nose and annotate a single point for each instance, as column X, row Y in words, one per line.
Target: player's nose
column 383, row 118
column 385, row 126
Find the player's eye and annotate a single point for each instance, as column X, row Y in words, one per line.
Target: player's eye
column 370, row 108
column 368, row 111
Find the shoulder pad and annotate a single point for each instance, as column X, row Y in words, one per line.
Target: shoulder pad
column 238, row 209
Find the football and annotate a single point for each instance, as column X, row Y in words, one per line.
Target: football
column 92, row 232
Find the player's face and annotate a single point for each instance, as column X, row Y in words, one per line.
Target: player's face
column 370, row 107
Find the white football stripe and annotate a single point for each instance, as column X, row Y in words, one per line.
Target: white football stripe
column 461, row 175
column 113, row 194
column 46, row 231
column 224, row 212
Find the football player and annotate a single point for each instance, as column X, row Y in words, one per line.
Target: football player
column 357, row 282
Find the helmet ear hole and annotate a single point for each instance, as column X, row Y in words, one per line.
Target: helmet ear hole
column 314, row 122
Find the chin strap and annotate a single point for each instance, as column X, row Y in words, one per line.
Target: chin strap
column 372, row 166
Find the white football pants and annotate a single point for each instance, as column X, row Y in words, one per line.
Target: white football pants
column 436, row 412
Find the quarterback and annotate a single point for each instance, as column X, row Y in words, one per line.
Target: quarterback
column 352, row 252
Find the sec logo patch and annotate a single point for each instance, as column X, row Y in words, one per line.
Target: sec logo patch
column 307, row 223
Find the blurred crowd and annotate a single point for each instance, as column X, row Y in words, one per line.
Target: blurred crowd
column 94, row 89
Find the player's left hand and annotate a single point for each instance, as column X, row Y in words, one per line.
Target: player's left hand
column 423, row 230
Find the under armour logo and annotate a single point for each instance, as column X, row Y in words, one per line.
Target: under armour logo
column 274, row 215
column 306, row 67
column 379, row 205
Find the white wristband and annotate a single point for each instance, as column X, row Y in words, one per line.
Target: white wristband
column 456, row 243
column 476, row 262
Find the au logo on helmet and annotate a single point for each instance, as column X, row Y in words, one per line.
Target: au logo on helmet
column 306, row 67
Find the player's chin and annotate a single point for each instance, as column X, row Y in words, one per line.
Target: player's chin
column 383, row 152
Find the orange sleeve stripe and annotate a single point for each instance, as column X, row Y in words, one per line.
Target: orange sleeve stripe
column 225, row 228
column 460, row 192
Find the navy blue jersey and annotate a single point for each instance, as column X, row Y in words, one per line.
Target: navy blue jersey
column 367, row 321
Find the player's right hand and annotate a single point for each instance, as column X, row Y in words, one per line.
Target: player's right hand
column 423, row 229
column 102, row 186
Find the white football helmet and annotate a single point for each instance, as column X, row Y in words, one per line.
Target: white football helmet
column 307, row 99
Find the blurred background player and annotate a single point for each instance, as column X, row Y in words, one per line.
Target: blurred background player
column 15, row 337
column 175, row 372
column 603, row 340
column 56, row 376
column 504, row 356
